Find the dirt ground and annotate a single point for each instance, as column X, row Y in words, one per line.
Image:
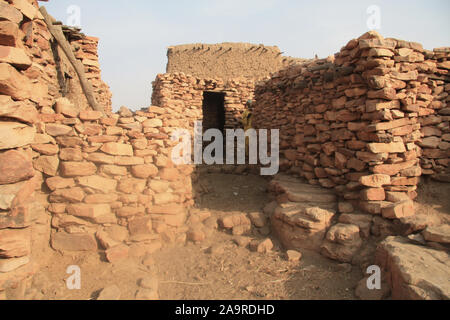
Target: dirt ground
column 434, row 199
column 218, row 268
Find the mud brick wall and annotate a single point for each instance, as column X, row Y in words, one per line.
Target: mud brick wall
column 183, row 95
column 352, row 122
column 224, row 60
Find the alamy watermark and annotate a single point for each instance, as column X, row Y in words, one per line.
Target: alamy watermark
column 74, row 16
column 73, row 282
column 257, row 145
column 374, row 281
column 374, row 19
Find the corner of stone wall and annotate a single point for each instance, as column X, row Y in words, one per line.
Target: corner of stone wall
column 353, row 123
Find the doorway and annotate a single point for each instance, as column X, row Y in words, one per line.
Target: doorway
column 213, row 110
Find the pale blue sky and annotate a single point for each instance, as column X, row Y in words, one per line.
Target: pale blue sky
column 134, row 35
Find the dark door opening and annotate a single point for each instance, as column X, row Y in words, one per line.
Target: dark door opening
column 213, row 110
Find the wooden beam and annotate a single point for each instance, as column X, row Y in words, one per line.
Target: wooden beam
column 57, row 33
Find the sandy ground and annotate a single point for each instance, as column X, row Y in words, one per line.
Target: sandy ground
column 434, row 199
column 229, row 271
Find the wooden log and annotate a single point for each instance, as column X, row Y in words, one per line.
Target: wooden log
column 57, row 33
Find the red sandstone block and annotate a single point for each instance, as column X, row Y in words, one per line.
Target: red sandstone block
column 375, row 180
column 15, row 243
column 393, row 169
column 404, row 181
column 171, row 209
column 140, row 225
column 15, row 167
column 144, row 171
column 73, row 169
column 385, row 93
column 170, row 174
column 130, row 211
column 373, row 194
column 373, row 207
column 399, row 210
column 23, row 111
column 90, row 115
column 73, row 242
column 50, row 118
column 393, row 147
column 15, row 57
column 117, row 253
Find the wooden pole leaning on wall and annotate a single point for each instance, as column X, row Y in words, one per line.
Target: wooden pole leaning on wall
column 57, row 33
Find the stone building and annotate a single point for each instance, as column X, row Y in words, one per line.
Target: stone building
column 216, row 80
column 358, row 130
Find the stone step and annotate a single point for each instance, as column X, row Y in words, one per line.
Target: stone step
column 298, row 186
column 299, row 218
column 440, row 234
column 414, row 272
column 305, row 214
column 310, row 197
column 299, row 191
column 326, row 206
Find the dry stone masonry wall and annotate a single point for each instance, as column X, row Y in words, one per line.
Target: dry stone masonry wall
column 366, row 123
column 34, row 74
column 355, row 121
column 183, row 95
column 111, row 180
column 86, row 50
column 23, row 221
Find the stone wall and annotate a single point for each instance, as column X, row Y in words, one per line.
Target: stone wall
column 110, row 179
column 23, row 221
column 86, row 49
column 432, row 106
column 34, row 74
column 352, row 122
column 183, row 96
column 365, row 124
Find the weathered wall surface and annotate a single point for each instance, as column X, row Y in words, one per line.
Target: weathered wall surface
column 86, row 49
column 184, row 95
column 224, row 60
column 30, row 84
